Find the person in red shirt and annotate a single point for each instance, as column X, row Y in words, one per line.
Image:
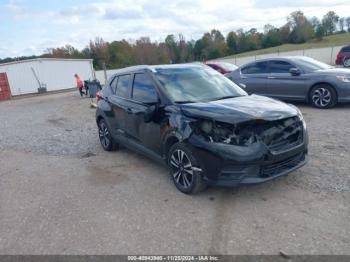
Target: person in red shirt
column 80, row 84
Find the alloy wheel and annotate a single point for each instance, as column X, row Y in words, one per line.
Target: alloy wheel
column 182, row 169
column 104, row 135
column 322, row 97
column 347, row 62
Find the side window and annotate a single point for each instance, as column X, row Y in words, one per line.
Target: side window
column 114, row 84
column 143, row 89
column 255, row 68
column 276, row 66
column 123, row 86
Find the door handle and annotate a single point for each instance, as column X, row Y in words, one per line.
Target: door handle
column 271, row 77
column 242, row 85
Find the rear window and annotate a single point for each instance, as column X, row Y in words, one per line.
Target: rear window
column 345, row 49
column 255, row 68
column 123, row 86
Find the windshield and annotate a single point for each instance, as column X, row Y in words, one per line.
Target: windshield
column 196, row 84
column 227, row 66
column 310, row 64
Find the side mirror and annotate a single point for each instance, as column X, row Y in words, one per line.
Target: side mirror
column 149, row 113
column 294, row 71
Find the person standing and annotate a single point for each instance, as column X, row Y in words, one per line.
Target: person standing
column 80, row 84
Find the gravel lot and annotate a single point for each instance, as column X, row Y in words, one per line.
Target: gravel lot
column 60, row 193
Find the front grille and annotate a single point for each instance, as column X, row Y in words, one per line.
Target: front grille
column 277, row 168
column 281, row 134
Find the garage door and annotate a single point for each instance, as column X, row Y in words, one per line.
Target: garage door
column 5, row 91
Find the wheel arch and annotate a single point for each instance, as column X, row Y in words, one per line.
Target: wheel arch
column 169, row 142
column 99, row 118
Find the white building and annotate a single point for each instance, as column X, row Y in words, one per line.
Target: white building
column 25, row 77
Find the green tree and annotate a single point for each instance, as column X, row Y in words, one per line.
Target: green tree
column 212, row 45
column 329, row 22
column 231, row 42
column 284, row 32
column 347, row 21
column 254, row 39
column 98, row 51
column 241, row 41
column 319, row 32
column 272, row 36
column 66, row 51
column 341, row 24
column 173, row 50
column 120, row 54
column 301, row 28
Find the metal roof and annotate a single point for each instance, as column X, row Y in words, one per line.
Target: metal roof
column 155, row 67
column 43, row 59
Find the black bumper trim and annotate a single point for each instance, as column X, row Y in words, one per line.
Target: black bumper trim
column 254, row 174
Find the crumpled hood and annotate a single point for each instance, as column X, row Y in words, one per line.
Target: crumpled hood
column 240, row 109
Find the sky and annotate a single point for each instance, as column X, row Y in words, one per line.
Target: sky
column 29, row 27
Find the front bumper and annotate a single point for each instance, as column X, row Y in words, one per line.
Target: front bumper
column 228, row 165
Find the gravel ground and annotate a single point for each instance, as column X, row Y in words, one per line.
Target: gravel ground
column 60, row 193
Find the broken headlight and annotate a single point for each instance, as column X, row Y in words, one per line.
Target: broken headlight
column 300, row 115
column 217, row 132
column 301, row 118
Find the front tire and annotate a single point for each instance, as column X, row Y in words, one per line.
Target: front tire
column 346, row 62
column 105, row 136
column 184, row 169
column 323, row 96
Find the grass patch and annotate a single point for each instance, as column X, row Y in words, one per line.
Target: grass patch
column 333, row 40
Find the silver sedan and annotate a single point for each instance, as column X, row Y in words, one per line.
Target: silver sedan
column 295, row 78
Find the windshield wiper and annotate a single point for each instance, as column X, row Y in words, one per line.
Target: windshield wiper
column 184, row 101
column 223, row 97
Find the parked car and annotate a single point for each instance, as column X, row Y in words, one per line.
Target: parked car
column 206, row 129
column 343, row 57
column 295, row 78
column 222, row 67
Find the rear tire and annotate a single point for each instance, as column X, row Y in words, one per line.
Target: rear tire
column 182, row 164
column 323, row 96
column 105, row 136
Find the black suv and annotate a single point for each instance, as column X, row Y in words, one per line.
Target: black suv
column 204, row 127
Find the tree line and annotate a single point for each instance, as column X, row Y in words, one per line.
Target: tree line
column 176, row 49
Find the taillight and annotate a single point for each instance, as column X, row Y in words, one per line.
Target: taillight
column 99, row 96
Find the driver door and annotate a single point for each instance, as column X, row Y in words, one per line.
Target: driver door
column 282, row 84
column 144, row 95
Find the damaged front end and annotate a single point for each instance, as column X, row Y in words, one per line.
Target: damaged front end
column 241, row 153
column 276, row 135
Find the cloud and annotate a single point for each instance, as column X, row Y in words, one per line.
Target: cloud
column 122, row 13
column 298, row 4
column 43, row 26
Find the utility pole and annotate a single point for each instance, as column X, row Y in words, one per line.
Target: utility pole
column 104, row 71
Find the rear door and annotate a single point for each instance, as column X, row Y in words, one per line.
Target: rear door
column 282, row 84
column 119, row 103
column 253, row 78
column 144, row 95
